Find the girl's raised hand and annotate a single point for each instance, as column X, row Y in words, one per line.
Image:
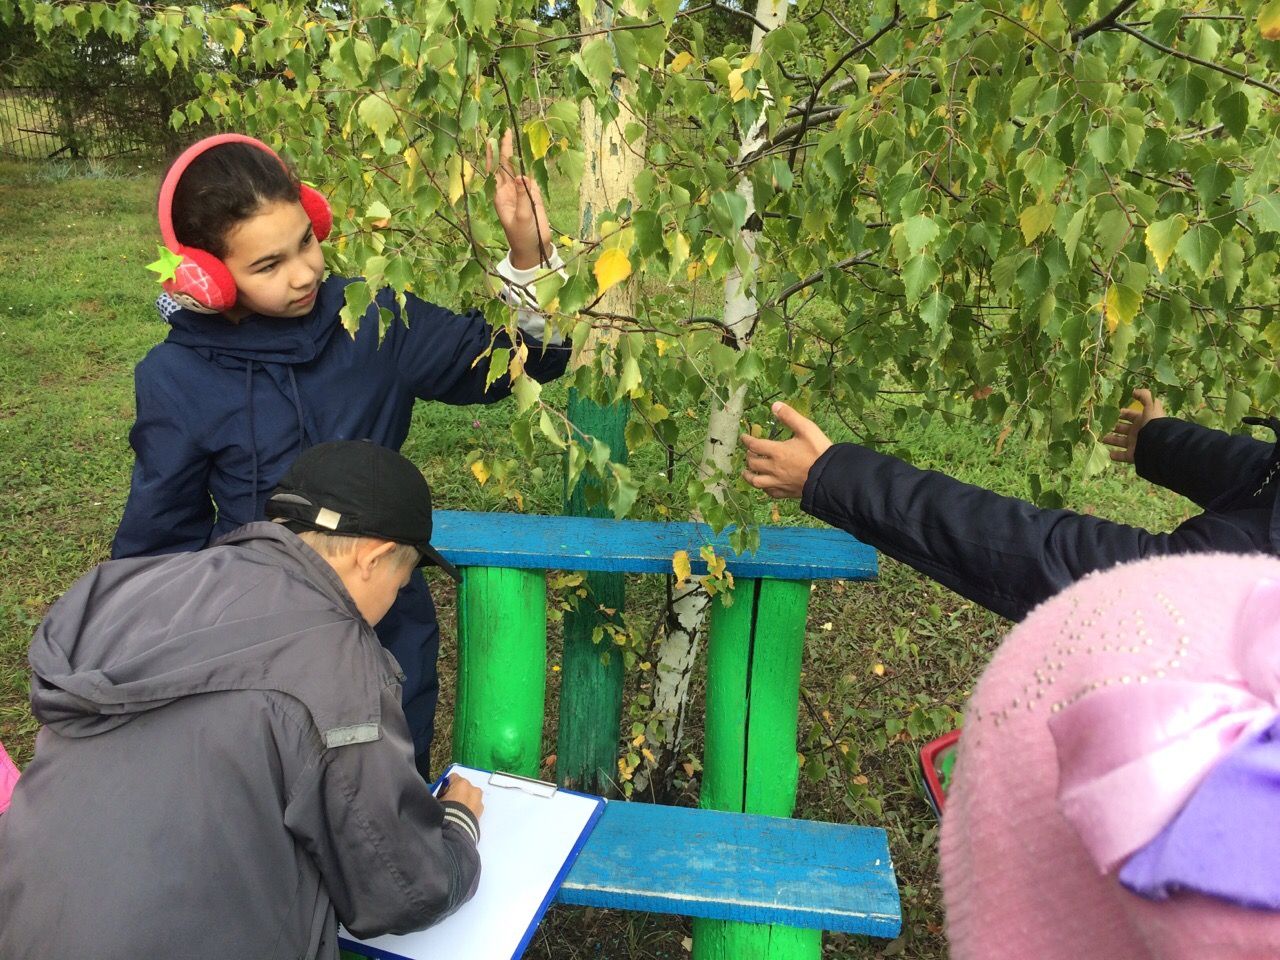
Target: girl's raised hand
column 519, row 206
column 1124, row 435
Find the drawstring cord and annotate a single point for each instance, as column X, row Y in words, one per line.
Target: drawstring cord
column 253, row 438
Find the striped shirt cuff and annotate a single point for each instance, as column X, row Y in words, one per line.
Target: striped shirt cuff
column 460, row 815
column 518, row 293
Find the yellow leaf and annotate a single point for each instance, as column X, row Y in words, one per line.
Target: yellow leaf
column 680, row 564
column 1269, row 21
column 411, row 163
column 682, row 60
column 736, row 89
column 480, row 471
column 539, row 137
column 1120, row 305
column 878, row 669
column 1036, row 220
column 237, row 41
column 612, row 268
column 454, row 168
column 661, row 346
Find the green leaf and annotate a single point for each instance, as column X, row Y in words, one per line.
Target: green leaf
column 935, row 310
column 1233, row 111
column 1105, row 143
column 1212, row 181
column 729, row 208
column 1187, row 94
column 667, row 10
column 596, row 61
column 1036, row 220
column 1163, row 236
column 377, row 114
column 1265, row 211
column 1071, row 236
column 1198, row 247
column 1099, row 459
column 963, row 19
column 920, row 231
column 1238, row 404
column 1231, row 260
column 549, row 431
column 918, row 274
column 623, row 491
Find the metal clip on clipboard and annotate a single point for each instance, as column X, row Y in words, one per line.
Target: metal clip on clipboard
column 512, row 781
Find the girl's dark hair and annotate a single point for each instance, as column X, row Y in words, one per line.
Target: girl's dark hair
column 224, row 185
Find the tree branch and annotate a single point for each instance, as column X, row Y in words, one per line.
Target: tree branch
column 796, row 129
column 831, row 72
column 1105, row 22
column 809, row 281
column 1196, row 60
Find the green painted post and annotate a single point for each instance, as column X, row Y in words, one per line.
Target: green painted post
column 591, row 686
column 749, row 762
column 502, row 669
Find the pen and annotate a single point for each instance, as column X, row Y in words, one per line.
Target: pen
column 444, row 785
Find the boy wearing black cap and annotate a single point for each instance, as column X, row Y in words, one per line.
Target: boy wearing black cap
column 224, row 765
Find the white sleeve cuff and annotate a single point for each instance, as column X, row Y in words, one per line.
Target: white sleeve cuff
column 518, row 292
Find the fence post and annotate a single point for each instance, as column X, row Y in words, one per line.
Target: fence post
column 591, row 673
column 502, row 668
column 749, row 764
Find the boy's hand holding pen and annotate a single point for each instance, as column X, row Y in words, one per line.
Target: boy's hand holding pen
column 460, row 790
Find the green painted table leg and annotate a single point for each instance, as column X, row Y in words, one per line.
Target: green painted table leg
column 502, row 669
column 591, row 685
column 749, row 762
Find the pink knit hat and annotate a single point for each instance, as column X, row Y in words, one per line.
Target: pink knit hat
column 1108, row 741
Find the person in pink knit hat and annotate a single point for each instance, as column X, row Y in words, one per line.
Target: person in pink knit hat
column 1117, row 789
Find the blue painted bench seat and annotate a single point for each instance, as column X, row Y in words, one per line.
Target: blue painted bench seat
column 738, row 866
column 530, row 541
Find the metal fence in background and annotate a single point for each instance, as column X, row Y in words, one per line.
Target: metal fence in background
column 45, row 124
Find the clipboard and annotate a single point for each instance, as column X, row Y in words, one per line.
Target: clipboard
column 531, row 832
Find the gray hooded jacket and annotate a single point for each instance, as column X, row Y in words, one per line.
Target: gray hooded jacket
column 224, row 766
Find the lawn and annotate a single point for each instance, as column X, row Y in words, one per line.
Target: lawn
column 887, row 665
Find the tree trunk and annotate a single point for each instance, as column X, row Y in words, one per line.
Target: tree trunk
column 591, row 678
column 678, row 650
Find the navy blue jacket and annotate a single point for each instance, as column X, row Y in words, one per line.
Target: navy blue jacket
column 1009, row 555
column 223, row 409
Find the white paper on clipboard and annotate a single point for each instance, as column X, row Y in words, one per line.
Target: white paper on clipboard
column 530, row 833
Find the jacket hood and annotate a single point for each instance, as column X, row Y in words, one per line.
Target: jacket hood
column 257, row 338
column 258, row 611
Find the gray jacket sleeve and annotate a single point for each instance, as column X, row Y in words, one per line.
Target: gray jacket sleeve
column 392, row 857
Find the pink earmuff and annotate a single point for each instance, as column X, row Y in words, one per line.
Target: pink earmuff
column 202, row 282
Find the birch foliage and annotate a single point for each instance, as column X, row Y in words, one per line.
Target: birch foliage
column 1011, row 210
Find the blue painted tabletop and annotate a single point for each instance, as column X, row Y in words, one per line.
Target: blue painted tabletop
column 539, row 542
column 733, row 866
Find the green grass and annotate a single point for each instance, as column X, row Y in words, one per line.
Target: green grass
column 887, row 664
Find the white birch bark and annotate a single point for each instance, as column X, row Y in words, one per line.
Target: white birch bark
column 608, row 177
column 678, row 649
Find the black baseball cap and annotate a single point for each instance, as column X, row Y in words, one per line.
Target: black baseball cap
column 357, row 488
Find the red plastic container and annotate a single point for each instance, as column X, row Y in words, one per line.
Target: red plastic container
column 936, row 757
